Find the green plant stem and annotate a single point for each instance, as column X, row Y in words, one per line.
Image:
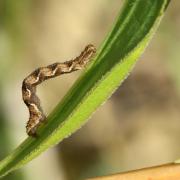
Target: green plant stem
column 130, row 35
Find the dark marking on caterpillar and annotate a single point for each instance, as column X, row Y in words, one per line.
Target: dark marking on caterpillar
column 36, row 115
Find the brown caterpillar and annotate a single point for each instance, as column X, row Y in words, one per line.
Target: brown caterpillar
column 43, row 73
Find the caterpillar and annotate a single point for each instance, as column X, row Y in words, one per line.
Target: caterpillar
column 36, row 114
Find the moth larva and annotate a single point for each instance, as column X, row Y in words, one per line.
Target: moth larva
column 36, row 115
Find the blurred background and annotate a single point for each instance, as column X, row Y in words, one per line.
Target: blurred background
column 137, row 127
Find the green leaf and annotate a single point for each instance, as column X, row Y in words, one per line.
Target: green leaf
column 114, row 60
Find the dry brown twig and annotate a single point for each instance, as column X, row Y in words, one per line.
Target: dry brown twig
column 163, row 172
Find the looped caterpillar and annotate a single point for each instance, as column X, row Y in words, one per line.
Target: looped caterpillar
column 36, row 115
